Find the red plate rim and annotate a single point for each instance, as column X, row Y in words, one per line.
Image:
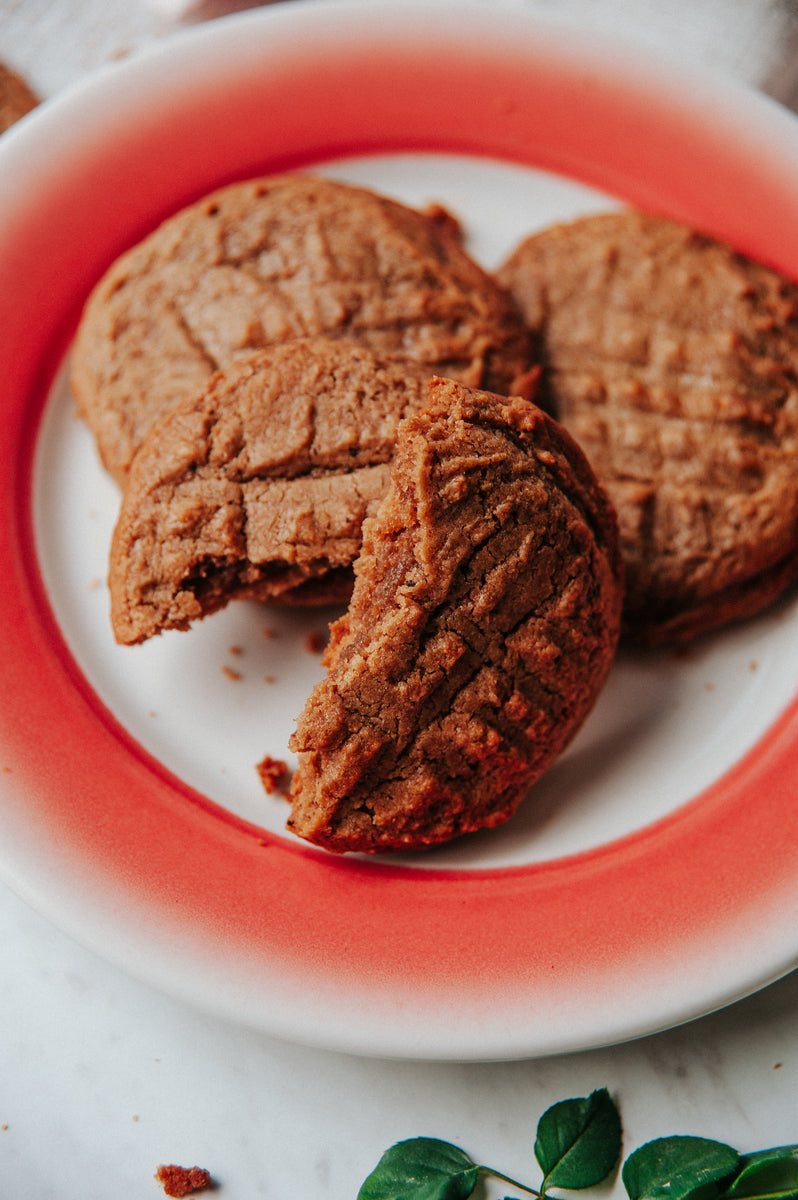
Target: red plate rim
column 630, row 937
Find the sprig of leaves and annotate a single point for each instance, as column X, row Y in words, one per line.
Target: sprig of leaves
column 578, row 1146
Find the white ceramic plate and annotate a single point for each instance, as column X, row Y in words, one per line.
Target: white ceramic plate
column 652, row 874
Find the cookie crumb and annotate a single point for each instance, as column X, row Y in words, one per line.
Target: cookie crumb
column 269, row 678
column 273, row 773
column 445, row 221
column 236, row 651
column 231, row 673
column 181, row 1181
column 682, row 652
column 315, row 642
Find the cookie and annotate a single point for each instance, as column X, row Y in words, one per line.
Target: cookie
column 482, row 626
column 260, row 262
column 16, row 97
column 674, row 363
column 258, row 487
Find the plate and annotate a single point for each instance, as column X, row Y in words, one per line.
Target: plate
column 652, row 875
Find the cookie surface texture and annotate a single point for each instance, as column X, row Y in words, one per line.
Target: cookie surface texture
column 674, row 363
column 258, row 487
column 259, row 262
column 481, row 628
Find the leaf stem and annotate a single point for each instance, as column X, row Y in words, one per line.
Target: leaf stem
column 512, row 1182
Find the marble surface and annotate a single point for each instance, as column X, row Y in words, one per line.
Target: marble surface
column 102, row 1078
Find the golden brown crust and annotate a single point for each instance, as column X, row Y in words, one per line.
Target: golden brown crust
column 259, row 262
column 482, row 625
column 674, row 362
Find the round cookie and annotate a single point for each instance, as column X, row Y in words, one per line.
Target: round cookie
column 674, row 363
column 258, row 487
column 482, row 626
column 260, row 262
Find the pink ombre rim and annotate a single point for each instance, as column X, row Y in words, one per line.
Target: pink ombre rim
column 636, row 935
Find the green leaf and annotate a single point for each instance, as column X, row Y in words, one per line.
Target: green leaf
column 675, row 1168
column 578, row 1141
column 766, row 1175
column 421, row 1169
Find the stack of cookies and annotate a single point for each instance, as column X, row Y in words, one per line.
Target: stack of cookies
column 311, row 393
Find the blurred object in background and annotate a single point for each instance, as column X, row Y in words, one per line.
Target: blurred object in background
column 782, row 80
column 203, row 10
column 755, row 41
column 16, row 98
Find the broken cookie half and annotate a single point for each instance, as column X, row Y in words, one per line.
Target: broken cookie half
column 482, row 626
column 258, row 486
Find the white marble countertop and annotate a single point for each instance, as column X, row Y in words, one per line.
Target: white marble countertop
column 102, row 1078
